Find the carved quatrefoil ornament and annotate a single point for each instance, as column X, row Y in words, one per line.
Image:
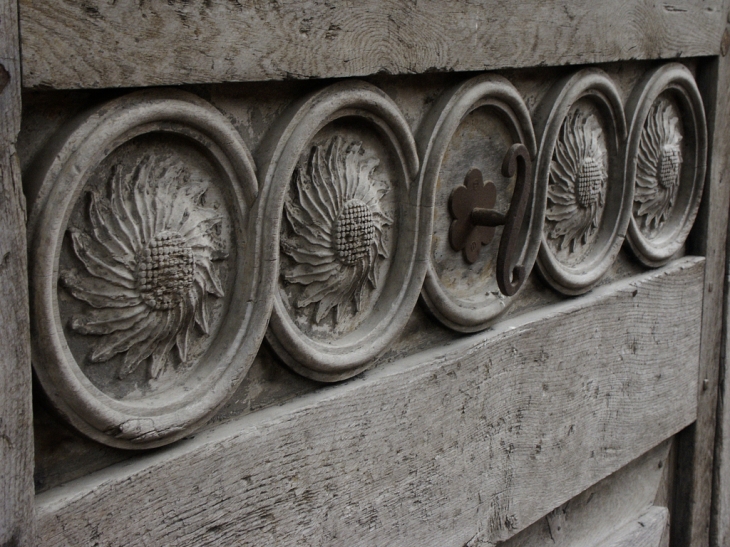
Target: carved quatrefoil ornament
column 581, row 161
column 665, row 161
column 465, row 138
column 340, row 188
column 146, row 265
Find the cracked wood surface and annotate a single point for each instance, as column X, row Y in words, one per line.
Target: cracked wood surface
column 96, row 43
column 434, row 449
column 16, row 434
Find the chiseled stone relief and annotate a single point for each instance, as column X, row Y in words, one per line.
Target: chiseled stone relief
column 577, row 188
column 583, row 133
column 658, row 165
column 338, row 228
column 160, row 259
column 149, row 266
column 665, row 160
column 341, row 179
column 471, row 129
column 148, row 285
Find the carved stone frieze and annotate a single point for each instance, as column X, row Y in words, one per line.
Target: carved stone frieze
column 158, row 260
column 577, row 189
column 338, row 228
column 146, row 266
column 340, row 180
column 666, row 158
column 472, row 127
column 582, row 138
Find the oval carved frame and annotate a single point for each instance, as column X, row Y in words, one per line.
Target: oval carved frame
column 677, row 80
column 596, row 86
column 281, row 151
column 433, row 139
column 169, row 414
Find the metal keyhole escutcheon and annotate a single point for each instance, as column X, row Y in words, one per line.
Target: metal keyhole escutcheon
column 474, row 219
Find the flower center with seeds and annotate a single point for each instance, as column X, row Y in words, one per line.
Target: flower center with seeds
column 588, row 185
column 165, row 270
column 668, row 167
column 354, row 231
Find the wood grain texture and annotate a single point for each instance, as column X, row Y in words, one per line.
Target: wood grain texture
column 650, row 530
column 720, row 520
column 97, row 43
column 435, row 449
column 691, row 522
column 596, row 515
column 16, row 440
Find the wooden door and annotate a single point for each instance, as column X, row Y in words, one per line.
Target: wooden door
column 374, row 273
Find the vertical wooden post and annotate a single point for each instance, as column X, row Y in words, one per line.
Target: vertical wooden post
column 16, row 438
column 720, row 523
column 691, row 525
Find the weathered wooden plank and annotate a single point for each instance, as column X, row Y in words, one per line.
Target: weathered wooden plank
column 16, row 434
column 691, row 522
column 650, row 530
column 720, row 520
column 435, row 449
column 597, row 515
column 97, row 43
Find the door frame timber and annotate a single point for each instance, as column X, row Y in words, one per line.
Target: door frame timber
column 61, row 44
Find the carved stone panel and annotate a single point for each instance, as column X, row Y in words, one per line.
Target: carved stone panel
column 146, row 268
column 666, row 161
column 472, row 128
column 342, row 205
column 582, row 140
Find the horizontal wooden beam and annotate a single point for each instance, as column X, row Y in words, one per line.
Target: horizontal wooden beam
column 97, row 43
column 479, row 438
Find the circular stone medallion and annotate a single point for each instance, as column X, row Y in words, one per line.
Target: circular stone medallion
column 341, row 198
column 144, row 268
column 582, row 132
column 473, row 127
column 666, row 159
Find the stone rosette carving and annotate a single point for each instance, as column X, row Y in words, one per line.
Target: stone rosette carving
column 473, row 114
column 582, row 142
column 340, row 180
column 141, row 225
column 666, row 161
column 577, row 188
column 338, row 228
column 148, row 266
column 658, row 166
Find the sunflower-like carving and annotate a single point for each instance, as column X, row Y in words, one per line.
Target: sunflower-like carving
column 147, row 265
column 578, row 175
column 658, row 165
column 337, row 222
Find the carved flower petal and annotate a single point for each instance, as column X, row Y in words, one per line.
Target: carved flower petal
column 309, row 231
column 99, row 293
column 122, row 217
column 202, row 315
column 108, row 320
column 103, row 226
column 142, row 349
column 304, row 274
column 211, row 281
column 307, row 254
column 99, row 265
column 323, row 182
column 123, row 340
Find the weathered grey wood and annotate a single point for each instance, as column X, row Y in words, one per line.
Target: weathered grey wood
column 691, row 523
column 597, row 514
column 16, row 435
column 650, row 530
column 720, row 523
column 436, row 449
column 96, row 43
